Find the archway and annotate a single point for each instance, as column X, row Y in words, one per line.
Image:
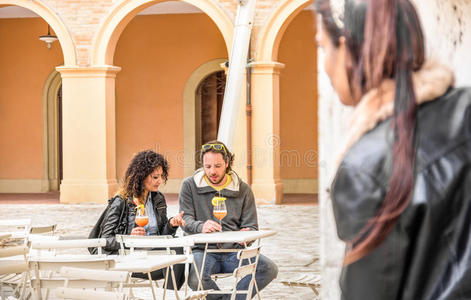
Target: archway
column 189, row 112
column 25, row 64
column 271, row 34
column 105, row 41
column 158, row 52
column 46, row 13
column 298, row 108
column 209, row 98
column 267, row 110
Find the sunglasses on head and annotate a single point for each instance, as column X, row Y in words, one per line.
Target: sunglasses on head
column 217, row 147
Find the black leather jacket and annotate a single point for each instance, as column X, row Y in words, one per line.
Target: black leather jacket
column 113, row 226
column 428, row 253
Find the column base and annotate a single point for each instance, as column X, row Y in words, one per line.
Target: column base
column 87, row 191
column 268, row 192
column 24, row 185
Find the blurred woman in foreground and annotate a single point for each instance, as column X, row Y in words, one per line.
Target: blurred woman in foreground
column 402, row 192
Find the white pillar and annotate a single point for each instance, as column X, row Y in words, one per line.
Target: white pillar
column 89, row 134
column 266, row 185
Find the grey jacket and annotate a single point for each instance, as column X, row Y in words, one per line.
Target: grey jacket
column 195, row 200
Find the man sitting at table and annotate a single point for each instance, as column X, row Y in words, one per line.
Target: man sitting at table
column 216, row 178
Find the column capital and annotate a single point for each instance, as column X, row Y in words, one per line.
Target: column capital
column 266, row 67
column 105, row 71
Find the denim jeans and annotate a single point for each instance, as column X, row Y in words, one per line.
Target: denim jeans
column 226, row 263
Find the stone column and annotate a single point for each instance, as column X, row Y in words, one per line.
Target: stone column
column 267, row 185
column 89, row 134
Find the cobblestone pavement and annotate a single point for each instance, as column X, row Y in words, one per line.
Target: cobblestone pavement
column 295, row 248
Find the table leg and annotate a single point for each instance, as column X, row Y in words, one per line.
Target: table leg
column 174, row 283
column 151, row 285
column 37, row 282
column 187, row 270
column 165, row 282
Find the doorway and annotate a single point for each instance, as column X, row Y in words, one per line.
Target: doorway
column 52, row 136
column 209, row 99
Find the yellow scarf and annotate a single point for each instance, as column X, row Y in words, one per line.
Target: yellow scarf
column 219, row 188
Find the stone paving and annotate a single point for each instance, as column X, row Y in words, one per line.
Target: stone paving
column 295, row 248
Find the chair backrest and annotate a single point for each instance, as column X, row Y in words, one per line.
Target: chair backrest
column 54, row 263
column 18, row 228
column 15, row 223
column 45, row 270
column 13, row 251
column 157, row 243
column 145, row 242
column 93, row 274
column 57, row 245
column 14, row 269
column 94, row 279
column 48, row 229
column 13, row 266
column 251, row 257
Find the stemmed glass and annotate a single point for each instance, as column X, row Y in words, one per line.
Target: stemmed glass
column 220, row 210
column 141, row 216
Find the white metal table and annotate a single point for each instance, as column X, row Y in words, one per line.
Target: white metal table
column 148, row 264
column 242, row 237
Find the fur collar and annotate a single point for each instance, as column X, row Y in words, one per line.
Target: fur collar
column 430, row 82
column 198, row 177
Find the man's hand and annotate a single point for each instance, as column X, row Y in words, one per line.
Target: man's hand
column 178, row 220
column 138, row 231
column 211, row 226
column 248, row 243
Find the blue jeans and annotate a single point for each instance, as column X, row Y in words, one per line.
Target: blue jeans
column 226, row 263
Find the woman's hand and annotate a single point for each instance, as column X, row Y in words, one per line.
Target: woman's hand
column 178, row 220
column 138, row 231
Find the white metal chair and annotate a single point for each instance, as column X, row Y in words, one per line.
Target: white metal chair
column 111, row 282
column 44, row 229
column 306, row 280
column 50, row 257
column 18, row 230
column 125, row 243
column 52, row 247
column 251, row 256
column 167, row 242
column 14, row 270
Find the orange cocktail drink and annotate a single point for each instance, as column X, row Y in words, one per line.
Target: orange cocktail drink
column 142, row 221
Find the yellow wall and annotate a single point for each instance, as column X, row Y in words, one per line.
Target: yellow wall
column 157, row 54
column 298, row 99
column 25, row 63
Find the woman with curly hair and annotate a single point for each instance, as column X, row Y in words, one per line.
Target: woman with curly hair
column 140, row 188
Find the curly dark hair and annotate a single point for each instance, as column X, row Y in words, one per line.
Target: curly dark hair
column 226, row 154
column 143, row 164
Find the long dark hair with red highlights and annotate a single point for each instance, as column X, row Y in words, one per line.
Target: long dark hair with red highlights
column 385, row 41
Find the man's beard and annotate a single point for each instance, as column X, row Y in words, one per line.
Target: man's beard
column 219, row 181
